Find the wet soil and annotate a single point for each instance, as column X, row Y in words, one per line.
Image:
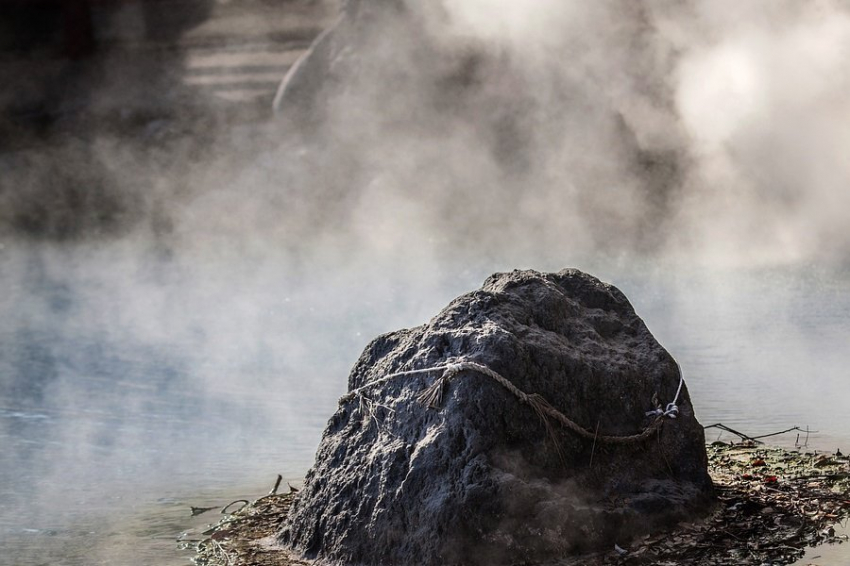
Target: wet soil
column 773, row 503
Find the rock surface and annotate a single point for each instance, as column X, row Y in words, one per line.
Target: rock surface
column 479, row 480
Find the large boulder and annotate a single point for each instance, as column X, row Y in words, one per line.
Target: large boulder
column 481, row 477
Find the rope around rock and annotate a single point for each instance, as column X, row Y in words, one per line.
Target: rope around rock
column 432, row 397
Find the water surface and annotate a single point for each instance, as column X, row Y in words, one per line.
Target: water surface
column 136, row 383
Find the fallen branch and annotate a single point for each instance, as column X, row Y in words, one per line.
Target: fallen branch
column 784, row 431
column 741, row 435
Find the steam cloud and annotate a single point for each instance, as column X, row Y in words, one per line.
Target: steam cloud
column 474, row 136
column 485, row 128
column 675, row 129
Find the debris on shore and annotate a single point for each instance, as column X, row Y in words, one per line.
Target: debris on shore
column 245, row 537
column 775, row 503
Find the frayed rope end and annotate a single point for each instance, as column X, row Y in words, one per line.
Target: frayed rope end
column 432, row 397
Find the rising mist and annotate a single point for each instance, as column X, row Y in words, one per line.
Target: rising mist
column 185, row 285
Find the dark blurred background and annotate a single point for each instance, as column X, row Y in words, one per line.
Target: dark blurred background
column 87, row 81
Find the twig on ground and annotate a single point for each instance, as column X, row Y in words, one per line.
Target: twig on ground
column 741, row 435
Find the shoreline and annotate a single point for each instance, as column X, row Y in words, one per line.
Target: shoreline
column 772, row 504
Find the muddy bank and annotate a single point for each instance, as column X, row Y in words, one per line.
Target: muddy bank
column 774, row 503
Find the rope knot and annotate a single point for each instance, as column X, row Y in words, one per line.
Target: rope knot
column 453, row 369
column 671, row 411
